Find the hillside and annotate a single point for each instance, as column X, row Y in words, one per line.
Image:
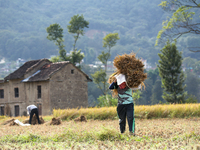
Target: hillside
column 23, row 26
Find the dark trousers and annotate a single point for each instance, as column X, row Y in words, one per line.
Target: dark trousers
column 34, row 111
column 126, row 111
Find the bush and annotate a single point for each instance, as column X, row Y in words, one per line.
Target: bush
column 191, row 99
column 106, row 101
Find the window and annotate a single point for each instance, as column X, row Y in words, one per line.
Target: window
column 39, row 91
column 1, row 93
column 16, row 110
column 39, row 106
column 2, row 110
column 72, row 71
column 16, row 92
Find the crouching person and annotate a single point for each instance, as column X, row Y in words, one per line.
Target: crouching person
column 125, row 107
column 31, row 110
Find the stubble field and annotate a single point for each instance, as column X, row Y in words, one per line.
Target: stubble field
column 161, row 133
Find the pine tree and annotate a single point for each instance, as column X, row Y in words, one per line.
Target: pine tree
column 171, row 74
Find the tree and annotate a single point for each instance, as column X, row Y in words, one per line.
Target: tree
column 157, row 93
column 189, row 62
column 192, row 82
column 153, row 75
column 146, row 94
column 136, row 96
column 109, row 41
column 184, row 20
column 99, row 78
column 171, row 74
column 55, row 34
column 77, row 25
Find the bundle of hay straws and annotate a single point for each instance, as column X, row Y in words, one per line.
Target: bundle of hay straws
column 132, row 68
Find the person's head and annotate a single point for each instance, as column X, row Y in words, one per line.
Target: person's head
column 122, row 85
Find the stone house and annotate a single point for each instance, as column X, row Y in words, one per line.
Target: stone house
column 45, row 84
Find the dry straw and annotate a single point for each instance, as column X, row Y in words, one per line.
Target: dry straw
column 132, row 68
column 141, row 111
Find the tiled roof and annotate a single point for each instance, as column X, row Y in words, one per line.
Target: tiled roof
column 19, row 73
column 42, row 74
column 47, row 70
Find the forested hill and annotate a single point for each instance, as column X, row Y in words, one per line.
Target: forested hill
column 23, row 26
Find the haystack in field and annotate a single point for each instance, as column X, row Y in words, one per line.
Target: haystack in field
column 55, row 121
column 81, row 119
column 34, row 120
column 132, row 68
column 8, row 122
column 13, row 123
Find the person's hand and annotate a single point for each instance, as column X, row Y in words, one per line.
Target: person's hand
column 115, row 80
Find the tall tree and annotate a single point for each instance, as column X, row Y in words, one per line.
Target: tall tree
column 109, row 41
column 76, row 27
column 55, row 34
column 184, row 20
column 171, row 74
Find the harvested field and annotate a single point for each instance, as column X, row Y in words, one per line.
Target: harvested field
column 94, row 134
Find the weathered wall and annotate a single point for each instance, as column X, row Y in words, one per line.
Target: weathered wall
column 27, row 96
column 9, row 96
column 32, row 95
column 68, row 90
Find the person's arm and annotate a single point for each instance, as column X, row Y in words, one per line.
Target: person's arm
column 28, row 110
column 113, row 85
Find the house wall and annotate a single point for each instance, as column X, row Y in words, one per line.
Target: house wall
column 27, row 96
column 9, row 96
column 32, row 95
column 68, row 90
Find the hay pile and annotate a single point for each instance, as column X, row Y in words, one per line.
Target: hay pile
column 81, row 119
column 8, row 122
column 131, row 67
column 13, row 123
column 34, row 120
column 55, row 121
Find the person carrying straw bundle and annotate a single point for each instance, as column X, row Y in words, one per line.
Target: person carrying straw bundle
column 128, row 77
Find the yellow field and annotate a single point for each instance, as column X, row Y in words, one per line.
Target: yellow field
column 154, row 111
column 179, row 129
column 104, row 134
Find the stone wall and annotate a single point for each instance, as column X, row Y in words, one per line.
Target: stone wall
column 9, row 99
column 32, row 95
column 68, row 89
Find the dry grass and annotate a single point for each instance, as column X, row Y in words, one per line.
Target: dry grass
column 178, row 130
column 104, row 134
column 154, row 111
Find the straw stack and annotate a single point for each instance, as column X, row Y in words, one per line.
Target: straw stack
column 131, row 67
